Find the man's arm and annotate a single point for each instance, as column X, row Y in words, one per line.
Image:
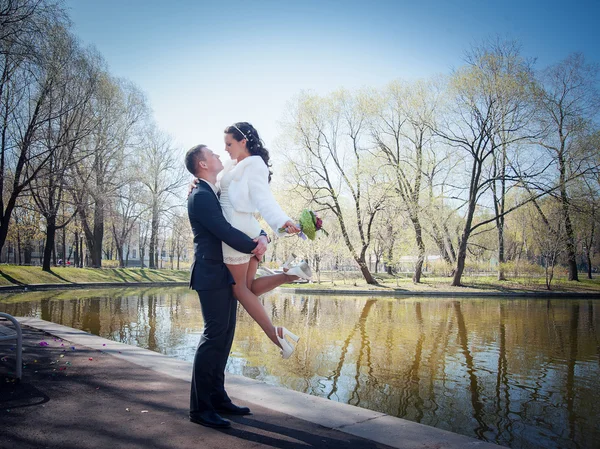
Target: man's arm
column 207, row 211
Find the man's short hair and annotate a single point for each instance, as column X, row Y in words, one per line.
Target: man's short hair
column 193, row 156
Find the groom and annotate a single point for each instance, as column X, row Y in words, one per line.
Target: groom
column 212, row 280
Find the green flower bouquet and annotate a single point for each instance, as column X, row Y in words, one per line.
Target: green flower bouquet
column 309, row 224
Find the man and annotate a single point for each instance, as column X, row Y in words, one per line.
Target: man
column 212, row 280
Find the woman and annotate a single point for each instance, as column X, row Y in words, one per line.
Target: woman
column 244, row 184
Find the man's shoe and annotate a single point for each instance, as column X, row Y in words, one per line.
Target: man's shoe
column 230, row 408
column 210, row 419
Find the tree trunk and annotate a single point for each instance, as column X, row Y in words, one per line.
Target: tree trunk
column 464, row 239
column 501, row 274
column 421, row 247
column 76, row 259
column 121, row 258
column 153, row 250
column 589, row 264
column 80, row 251
column 448, row 242
column 95, row 245
column 119, row 246
column 440, row 242
column 460, row 262
column 49, row 246
column 589, row 245
column 571, row 255
column 120, row 255
column 19, row 247
column 5, row 222
column 64, row 245
column 365, row 270
column 27, row 250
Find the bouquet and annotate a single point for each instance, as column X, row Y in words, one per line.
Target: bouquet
column 309, row 224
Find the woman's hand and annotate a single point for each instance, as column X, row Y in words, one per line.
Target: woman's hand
column 290, row 227
column 192, row 185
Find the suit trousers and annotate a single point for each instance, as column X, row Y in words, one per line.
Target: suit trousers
column 208, row 376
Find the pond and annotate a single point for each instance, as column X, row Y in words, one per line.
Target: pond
column 522, row 373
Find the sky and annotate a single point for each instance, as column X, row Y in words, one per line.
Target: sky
column 204, row 65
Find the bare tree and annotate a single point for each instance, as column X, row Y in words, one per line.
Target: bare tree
column 160, row 171
column 402, row 132
column 437, row 173
column 125, row 214
column 63, row 136
column 510, row 78
column 23, row 24
column 143, row 234
column 120, row 110
column 585, row 205
column 550, row 237
column 477, row 113
column 331, row 166
column 30, row 73
column 569, row 101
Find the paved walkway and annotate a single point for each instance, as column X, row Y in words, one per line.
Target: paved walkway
column 81, row 391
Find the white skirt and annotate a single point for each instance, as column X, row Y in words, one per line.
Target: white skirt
column 246, row 223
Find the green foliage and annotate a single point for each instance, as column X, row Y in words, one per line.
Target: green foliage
column 307, row 223
column 522, row 268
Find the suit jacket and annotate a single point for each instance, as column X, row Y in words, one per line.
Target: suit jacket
column 210, row 228
column 249, row 190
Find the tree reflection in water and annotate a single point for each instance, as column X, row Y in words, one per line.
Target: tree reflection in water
column 521, row 373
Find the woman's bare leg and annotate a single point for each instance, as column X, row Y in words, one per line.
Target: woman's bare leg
column 251, row 274
column 250, row 301
column 265, row 284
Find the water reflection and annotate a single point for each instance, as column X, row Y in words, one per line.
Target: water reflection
column 521, row 373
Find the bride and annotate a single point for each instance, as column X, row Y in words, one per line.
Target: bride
column 244, row 184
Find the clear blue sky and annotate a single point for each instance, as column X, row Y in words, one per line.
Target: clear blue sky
column 205, row 65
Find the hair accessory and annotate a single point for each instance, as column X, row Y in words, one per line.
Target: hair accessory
column 241, row 132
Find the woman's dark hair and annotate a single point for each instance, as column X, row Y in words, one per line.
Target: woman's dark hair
column 255, row 146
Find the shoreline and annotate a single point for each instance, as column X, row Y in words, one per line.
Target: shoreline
column 87, row 285
column 312, row 291
column 466, row 294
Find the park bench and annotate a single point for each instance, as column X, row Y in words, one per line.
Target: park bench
column 8, row 333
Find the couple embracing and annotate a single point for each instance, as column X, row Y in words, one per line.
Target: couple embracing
column 228, row 245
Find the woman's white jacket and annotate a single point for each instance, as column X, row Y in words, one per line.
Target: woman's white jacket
column 249, row 191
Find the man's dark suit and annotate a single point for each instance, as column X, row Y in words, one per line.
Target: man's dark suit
column 212, row 280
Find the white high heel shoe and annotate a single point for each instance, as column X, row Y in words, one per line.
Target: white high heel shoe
column 302, row 270
column 286, row 347
column 289, row 260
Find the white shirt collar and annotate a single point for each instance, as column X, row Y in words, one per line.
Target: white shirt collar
column 212, row 186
